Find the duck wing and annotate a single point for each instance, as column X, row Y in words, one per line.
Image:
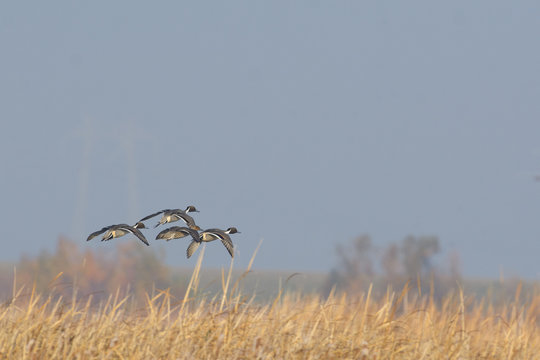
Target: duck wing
column 99, row 232
column 194, row 245
column 152, row 215
column 227, row 242
column 181, row 215
column 135, row 232
column 194, row 234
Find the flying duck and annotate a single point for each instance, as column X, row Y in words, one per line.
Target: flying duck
column 170, row 215
column 114, row 231
column 211, row 235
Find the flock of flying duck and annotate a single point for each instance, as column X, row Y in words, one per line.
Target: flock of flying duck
column 175, row 232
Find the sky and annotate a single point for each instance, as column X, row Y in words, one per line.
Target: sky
column 304, row 124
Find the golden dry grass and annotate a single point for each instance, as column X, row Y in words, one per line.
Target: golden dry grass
column 231, row 326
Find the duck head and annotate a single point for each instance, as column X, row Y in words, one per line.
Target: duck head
column 191, row 208
column 232, row 230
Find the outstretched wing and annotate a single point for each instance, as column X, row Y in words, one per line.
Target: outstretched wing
column 99, row 232
column 152, row 215
column 181, row 215
column 194, row 234
column 226, row 241
column 194, row 245
column 135, row 232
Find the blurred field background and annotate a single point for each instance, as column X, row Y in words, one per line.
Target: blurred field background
column 128, row 304
column 136, row 270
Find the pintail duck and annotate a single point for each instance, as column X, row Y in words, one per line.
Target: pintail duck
column 211, row 235
column 114, row 231
column 170, row 215
column 177, row 232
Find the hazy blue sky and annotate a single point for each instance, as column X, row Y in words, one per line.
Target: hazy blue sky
column 303, row 123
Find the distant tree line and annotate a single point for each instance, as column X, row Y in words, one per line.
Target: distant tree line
column 361, row 263
column 98, row 273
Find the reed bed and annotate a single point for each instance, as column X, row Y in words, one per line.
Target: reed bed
column 400, row 325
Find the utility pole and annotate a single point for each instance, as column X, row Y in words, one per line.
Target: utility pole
column 86, row 132
column 129, row 137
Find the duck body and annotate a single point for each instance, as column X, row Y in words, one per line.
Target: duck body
column 177, row 232
column 115, row 231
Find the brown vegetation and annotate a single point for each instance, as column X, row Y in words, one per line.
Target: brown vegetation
column 403, row 325
column 101, row 272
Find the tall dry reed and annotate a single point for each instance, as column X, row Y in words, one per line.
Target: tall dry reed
column 231, row 325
